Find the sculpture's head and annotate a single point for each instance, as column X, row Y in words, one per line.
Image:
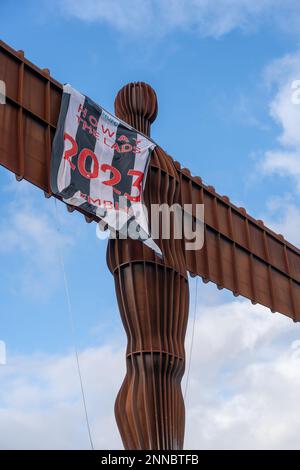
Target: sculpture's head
column 136, row 104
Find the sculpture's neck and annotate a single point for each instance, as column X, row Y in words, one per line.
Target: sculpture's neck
column 138, row 122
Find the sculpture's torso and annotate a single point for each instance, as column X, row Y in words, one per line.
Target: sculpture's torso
column 153, row 299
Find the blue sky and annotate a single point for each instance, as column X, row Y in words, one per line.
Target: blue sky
column 223, row 76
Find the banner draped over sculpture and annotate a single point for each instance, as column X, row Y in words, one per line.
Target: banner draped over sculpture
column 99, row 163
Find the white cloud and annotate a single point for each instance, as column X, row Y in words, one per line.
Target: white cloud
column 240, row 329
column 285, row 159
column 283, row 213
column 284, row 217
column 253, row 407
column 157, row 17
column 40, row 401
column 244, row 382
column 243, row 389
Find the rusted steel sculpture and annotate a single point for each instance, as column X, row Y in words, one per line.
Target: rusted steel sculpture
column 239, row 252
column 153, row 299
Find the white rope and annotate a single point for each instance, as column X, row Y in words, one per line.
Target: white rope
column 72, row 325
column 192, row 340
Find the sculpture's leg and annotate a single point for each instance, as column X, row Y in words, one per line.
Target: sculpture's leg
column 153, row 302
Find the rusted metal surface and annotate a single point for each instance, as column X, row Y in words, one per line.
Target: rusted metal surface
column 28, row 120
column 239, row 252
column 153, row 298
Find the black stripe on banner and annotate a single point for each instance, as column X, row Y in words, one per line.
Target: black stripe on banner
column 85, row 140
column 124, row 161
column 58, row 142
